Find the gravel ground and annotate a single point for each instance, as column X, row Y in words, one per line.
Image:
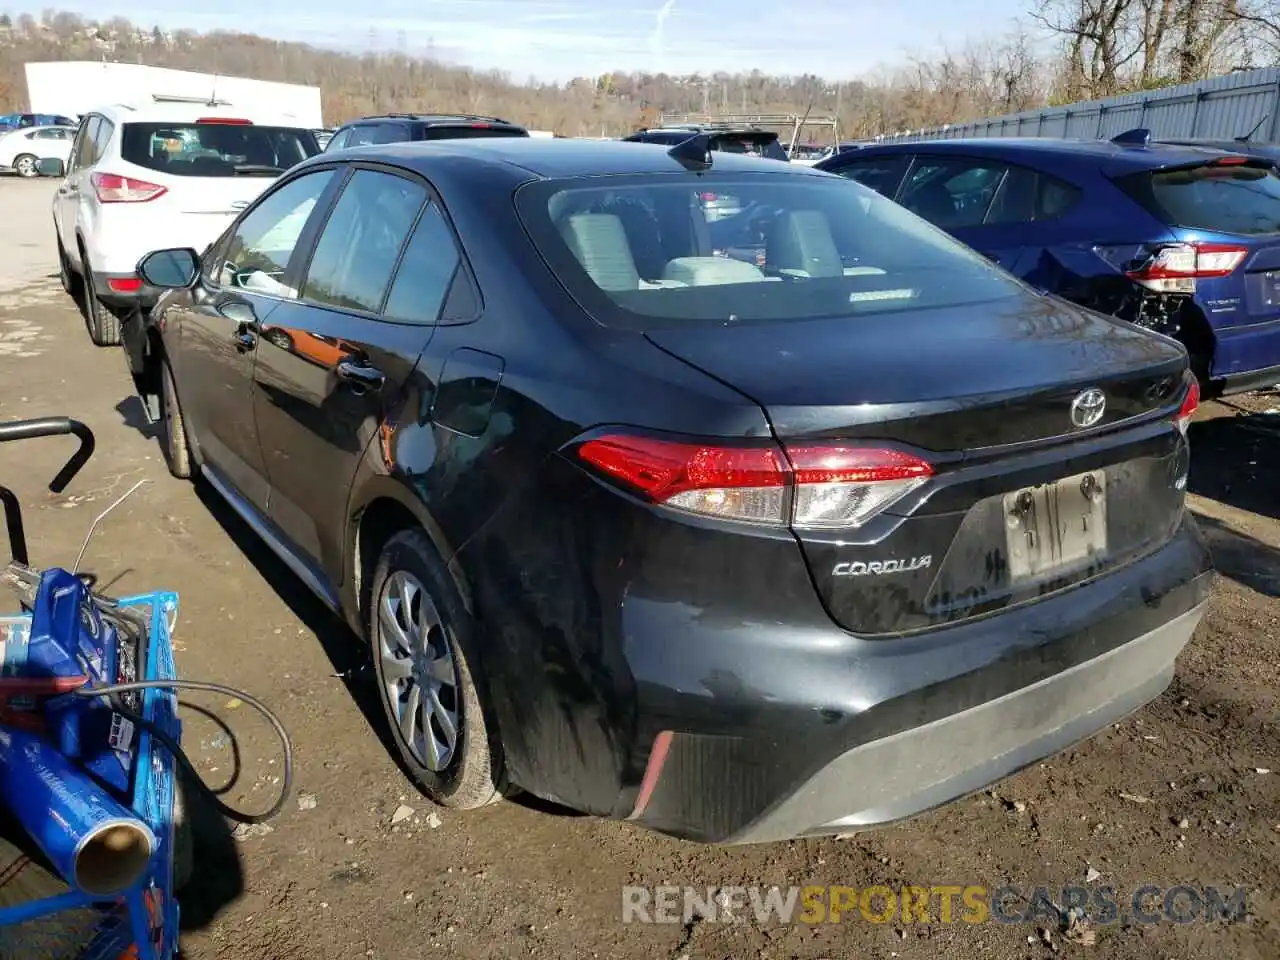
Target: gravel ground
column 1174, row 795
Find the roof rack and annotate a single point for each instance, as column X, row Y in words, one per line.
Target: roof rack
column 209, row 101
column 442, row 116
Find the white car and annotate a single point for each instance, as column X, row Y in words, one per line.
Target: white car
column 21, row 150
column 148, row 178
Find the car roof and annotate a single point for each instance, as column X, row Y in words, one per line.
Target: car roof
column 1114, row 159
column 561, row 157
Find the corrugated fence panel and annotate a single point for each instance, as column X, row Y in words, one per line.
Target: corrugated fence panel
column 1227, row 106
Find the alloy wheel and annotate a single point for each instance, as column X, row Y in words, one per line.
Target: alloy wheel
column 420, row 680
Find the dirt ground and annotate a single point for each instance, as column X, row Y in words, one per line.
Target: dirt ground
column 1176, row 794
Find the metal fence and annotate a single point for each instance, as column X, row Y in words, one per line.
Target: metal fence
column 1225, row 107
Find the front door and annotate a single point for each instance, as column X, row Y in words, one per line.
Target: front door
column 331, row 364
column 244, row 280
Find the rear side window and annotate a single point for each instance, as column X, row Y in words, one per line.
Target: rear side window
column 339, row 140
column 361, row 242
column 1029, row 196
column 881, row 174
column 425, row 271
column 952, row 191
column 1229, row 198
column 215, row 149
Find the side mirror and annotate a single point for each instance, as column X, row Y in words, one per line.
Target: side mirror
column 51, row 167
column 170, row 269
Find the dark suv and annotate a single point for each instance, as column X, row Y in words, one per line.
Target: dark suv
column 400, row 127
column 726, row 139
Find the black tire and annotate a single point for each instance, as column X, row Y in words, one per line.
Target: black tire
column 280, row 338
column 177, row 451
column 104, row 326
column 71, row 281
column 474, row 774
column 24, row 164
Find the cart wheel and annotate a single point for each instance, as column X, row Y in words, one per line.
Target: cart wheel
column 424, row 660
column 184, row 842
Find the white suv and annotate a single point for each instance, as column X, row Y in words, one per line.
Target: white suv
column 147, row 178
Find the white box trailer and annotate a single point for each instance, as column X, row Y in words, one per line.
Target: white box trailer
column 74, row 87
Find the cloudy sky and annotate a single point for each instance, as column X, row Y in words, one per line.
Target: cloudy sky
column 560, row 39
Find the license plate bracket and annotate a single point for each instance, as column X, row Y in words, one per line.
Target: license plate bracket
column 1053, row 527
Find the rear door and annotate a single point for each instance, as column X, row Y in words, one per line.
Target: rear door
column 332, row 363
column 83, row 155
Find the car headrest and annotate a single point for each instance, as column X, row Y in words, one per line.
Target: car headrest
column 599, row 243
column 706, row 271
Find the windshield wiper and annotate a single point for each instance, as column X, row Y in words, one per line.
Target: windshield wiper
column 256, row 169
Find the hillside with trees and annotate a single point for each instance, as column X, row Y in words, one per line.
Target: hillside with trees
column 1099, row 48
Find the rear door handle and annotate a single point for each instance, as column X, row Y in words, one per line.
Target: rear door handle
column 360, row 374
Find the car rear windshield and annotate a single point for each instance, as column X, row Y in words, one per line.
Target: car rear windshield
column 643, row 252
column 1241, row 198
column 751, row 144
column 215, row 149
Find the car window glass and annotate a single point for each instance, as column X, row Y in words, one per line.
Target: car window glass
column 339, row 140
column 378, row 133
column 101, row 137
column 638, row 252
column 215, row 149
column 951, row 192
column 425, row 272
column 257, row 252
column 84, row 144
column 1028, row 196
column 882, row 174
column 360, row 244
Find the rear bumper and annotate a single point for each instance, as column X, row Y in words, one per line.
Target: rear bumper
column 827, row 736
column 117, row 290
column 930, row 765
column 1262, row 379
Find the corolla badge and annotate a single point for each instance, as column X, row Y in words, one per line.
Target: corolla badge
column 877, row 568
column 1088, row 408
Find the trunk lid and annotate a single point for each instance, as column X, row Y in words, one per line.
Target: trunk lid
column 947, row 379
column 1017, row 501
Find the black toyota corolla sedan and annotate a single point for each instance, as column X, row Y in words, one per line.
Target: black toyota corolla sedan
column 797, row 521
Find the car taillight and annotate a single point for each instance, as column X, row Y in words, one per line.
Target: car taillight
column 1190, row 404
column 708, row 198
column 113, row 188
column 808, row 485
column 1176, row 267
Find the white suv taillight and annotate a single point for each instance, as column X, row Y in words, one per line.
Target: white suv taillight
column 1176, row 267
column 808, row 485
column 113, row 188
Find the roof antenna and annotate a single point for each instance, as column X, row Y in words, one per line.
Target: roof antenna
column 1137, row 137
column 694, row 153
column 1256, row 127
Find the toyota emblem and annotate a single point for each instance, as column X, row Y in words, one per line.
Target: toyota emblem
column 1088, row 408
